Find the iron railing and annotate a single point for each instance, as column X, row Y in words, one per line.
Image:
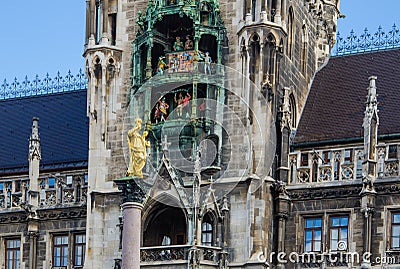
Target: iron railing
column 367, row 41
column 47, row 85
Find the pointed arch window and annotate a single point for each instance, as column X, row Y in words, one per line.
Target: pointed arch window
column 246, row 8
column 315, row 168
column 207, row 231
column 304, row 51
column 292, row 109
column 254, row 57
column 269, row 59
column 360, row 158
column 336, row 167
column 253, row 9
column 290, row 33
column 98, row 21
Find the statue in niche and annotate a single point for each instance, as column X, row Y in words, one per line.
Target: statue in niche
column 188, row 43
column 182, row 104
column 137, row 150
column 205, row 14
column 141, row 22
column 163, row 107
column 207, row 63
column 157, row 113
column 161, row 65
column 202, row 108
column 187, row 61
column 178, row 44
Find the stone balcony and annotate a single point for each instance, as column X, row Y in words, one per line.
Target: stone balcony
column 54, row 191
column 340, row 164
column 178, row 256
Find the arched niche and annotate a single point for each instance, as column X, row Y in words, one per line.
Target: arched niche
column 165, row 225
column 208, row 43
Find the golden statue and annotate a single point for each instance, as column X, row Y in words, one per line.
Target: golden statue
column 137, row 150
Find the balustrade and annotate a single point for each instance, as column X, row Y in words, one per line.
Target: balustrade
column 14, row 192
column 342, row 164
column 176, row 253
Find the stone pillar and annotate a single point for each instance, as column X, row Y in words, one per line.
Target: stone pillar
column 34, row 164
column 283, row 138
column 34, row 199
column 132, row 197
column 368, row 192
column 105, row 17
column 87, row 29
column 33, row 235
column 282, row 207
column 368, row 209
column 278, row 15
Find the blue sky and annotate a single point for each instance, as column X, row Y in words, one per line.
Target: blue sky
column 46, row 36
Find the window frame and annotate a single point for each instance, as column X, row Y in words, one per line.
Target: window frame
column 61, row 250
column 304, row 162
column 83, row 246
column 392, row 154
column 336, row 168
column 13, row 250
column 209, row 232
column 348, row 159
column 339, row 228
column 327, row 156
column 312, row 229
column 391, row 230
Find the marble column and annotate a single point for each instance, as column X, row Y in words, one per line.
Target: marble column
column 132, row 197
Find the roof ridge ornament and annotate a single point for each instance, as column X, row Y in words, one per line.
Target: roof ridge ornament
column 366, row 42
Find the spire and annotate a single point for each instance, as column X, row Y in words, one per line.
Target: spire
column 285, row 110
column 34, row 163
column 34, row 141
column 372, row 103
column 371, row 122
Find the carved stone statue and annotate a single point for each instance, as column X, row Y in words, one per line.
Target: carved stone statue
column 137, row 150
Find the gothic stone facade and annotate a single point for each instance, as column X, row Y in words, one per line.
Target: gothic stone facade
column 256, row 171
column 274, row 48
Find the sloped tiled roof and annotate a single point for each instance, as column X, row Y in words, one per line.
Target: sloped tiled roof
column 63, row 129
column 335, row 107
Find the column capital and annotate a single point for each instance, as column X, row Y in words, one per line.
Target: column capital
column 33, row 234
column 131, row 191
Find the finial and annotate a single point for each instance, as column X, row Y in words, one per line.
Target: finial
column 197, row 163
column 165, row 143
column 372, row 90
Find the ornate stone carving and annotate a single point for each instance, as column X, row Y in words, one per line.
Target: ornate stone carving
column 131, row 191
column 368, row 184
column 327, row 193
